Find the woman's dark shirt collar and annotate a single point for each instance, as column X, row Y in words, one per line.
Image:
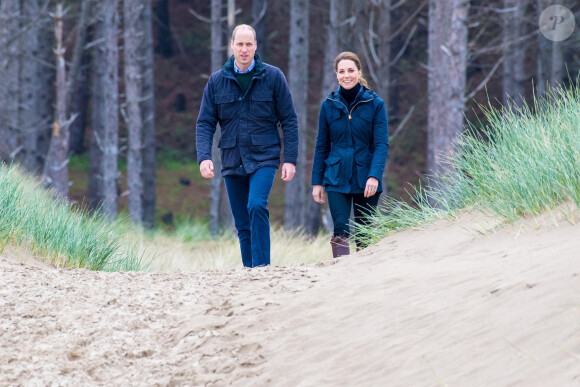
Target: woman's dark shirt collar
column 349, row 95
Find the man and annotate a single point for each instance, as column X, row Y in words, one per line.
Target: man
column 248, row 98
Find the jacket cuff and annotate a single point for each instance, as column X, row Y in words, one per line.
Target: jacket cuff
column 379, row 178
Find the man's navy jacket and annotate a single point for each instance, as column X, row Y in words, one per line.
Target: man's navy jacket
column 248, row 120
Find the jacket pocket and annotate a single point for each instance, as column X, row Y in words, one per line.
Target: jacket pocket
column 262, row 104
column 364, row 112
column 225, row 106
column 230, row 154
column 333, row 174
column 265, row 147
column 227, row 142
column 363, row 166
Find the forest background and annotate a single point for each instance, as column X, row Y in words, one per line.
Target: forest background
column 99, row 98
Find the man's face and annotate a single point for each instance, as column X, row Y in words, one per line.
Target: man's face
column 244, row 48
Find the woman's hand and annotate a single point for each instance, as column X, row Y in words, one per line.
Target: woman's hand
column 371, row 187
column 318, row 193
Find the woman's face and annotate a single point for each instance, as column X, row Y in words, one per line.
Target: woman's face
column 347, row 74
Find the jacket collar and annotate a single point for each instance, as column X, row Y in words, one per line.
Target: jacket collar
column 228, row 67
column 364, row 94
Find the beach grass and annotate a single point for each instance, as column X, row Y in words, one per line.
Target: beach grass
column 190, row 247
column 523, row 161
column 57, row 233
column 42, row 225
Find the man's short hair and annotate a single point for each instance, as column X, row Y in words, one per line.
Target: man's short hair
column 243, row 27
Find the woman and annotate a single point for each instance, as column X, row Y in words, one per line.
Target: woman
column 351, row 150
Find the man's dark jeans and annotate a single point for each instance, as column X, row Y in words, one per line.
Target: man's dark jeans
column 249, row 202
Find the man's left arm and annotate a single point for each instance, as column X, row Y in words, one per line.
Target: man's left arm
column 287, row 117
column 206, row 124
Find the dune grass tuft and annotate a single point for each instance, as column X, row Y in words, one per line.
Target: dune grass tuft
column 57, row 233
column 522, row 163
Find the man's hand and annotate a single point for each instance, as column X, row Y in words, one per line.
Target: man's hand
column 371, row 187
column 288, row 171
column 206, row 169
column 318, row 193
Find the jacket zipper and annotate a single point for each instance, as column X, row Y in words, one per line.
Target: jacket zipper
column 349, row 112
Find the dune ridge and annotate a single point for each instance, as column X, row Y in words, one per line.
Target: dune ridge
column 452, row 303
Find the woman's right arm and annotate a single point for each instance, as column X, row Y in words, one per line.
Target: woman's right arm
column 322, row 148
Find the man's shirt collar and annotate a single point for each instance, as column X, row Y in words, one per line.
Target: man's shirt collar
column 237, row 70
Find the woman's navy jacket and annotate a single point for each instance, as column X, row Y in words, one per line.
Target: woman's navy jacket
column 248, row 119
column 352, row 143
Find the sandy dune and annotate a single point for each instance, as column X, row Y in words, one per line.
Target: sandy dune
column 441, row 306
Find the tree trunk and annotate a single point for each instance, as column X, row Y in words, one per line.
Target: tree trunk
column 383, row 69
column 258, row 21
column 104, row 145
column 33, row 119
column 46, row 96
column 231, row 18
column 557, row 64
column 217, row 52
column 513, row 52
column 217, row 59
column 78, row 94
column 56, row 166
column 550, row 60
column 225, row 217
column 80, row 105
column 344, row 30
column 543, row 61
column 164, row 38
column 9, row 72
column 294, row 216
column 111, row 107
column 133, row 12
column 331, row 50
column 220, row 215
column 148, row 119
column 384, row 50
column 550, row 57
column 95, row 190
column 28, row 88
column 329, row 82
column 447, row 75
column 351, row 15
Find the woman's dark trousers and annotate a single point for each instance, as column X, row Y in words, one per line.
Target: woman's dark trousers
column 248, row 196
column 340, row 206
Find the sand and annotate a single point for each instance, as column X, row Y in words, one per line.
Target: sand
column 443, row 306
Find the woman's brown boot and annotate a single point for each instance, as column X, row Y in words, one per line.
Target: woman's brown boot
column 339, row 246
